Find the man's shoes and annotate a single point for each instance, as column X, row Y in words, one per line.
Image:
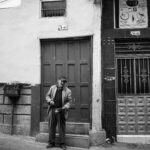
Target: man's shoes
column 63, row 147
column 50, row 145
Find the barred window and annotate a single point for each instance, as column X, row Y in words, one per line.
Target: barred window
column 53, row 8
column 133, row 66
column 133, row 75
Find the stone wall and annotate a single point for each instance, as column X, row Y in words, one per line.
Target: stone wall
column 22, row 113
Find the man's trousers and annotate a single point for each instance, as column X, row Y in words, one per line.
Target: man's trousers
column 55, row 119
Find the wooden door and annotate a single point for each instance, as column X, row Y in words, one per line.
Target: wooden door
column 70, row 58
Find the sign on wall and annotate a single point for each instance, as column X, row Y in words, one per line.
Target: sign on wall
column 9, row 3
column 133, row 14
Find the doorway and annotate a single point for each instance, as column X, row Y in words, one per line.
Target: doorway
column 133, row 86
column 70, row 58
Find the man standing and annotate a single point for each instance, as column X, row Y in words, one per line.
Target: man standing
column 58, row 99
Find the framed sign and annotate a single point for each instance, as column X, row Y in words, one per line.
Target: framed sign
column 133, row 14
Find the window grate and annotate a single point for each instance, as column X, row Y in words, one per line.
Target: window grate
column 132, row 47
column 133, row 75
column 133, row 66
column 53, row 8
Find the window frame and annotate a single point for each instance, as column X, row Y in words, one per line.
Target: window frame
column 65, row 14
column 137, row 52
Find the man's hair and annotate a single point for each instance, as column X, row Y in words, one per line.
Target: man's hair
column 62, row 78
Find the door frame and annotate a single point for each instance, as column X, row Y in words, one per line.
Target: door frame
column 90, row 37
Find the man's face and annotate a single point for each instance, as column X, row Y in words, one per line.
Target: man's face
column 61, row 83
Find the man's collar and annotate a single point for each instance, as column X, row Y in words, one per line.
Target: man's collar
column 60, row 88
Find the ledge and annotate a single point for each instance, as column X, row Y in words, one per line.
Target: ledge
column 141, row 139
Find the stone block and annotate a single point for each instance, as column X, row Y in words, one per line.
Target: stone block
column 17, row 129
column 78, row 128
column 71, row 128
column 7, row 119
column 7, row 100
column 1, row 99
column 22, row 119
column 81, row 141
column 1, row 90
column 26, row 91
column 1, row 118
column 5, row 128
column 97, row 138
column 21, row 129
column 22, row 109
column 6, row 109
column 17, row 119
column 18, row 109
column 23, row 100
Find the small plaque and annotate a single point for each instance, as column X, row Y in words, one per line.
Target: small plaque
column 135, row 33
column 109, row 78
column 62, row 27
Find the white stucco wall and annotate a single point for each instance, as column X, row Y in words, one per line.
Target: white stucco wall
column 22, row 27
column 19, row 45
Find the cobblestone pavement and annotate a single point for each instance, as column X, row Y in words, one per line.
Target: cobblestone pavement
column 14, row 142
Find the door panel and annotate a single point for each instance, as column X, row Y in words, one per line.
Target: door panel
column 133, row 114
column 70, row 58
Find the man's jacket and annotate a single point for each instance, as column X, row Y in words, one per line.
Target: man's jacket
column 66, row 98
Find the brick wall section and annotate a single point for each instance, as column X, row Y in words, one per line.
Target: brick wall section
column 22, row 113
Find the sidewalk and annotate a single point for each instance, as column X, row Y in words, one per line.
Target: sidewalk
column 14, row 142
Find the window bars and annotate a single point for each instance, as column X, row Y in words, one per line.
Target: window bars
column 133, row 67
column 53, row 8
column 133, row 75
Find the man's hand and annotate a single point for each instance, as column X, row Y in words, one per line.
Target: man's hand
column 57, row 110
column 64, row 108
column 52, row 103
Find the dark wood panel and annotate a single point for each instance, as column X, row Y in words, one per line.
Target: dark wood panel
column 107, row 14
column 35, row 110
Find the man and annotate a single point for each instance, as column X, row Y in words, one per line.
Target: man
column 58, row 99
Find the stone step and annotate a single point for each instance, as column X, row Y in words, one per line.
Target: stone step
column 71, row 128
column 73, row 140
